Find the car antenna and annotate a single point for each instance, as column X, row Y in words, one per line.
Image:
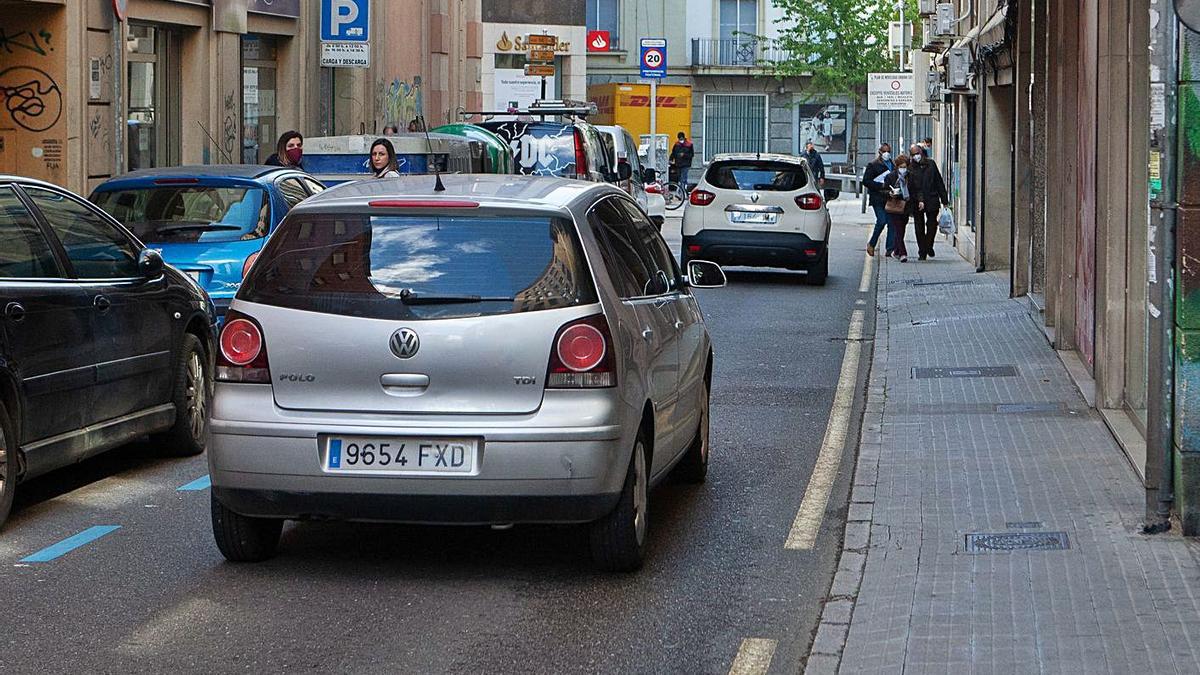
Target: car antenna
column 215, row 143
column 437, row 180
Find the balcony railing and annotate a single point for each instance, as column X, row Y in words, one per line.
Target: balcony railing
column 744, row 52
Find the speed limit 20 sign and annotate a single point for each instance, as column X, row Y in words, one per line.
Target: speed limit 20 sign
column 654, row 57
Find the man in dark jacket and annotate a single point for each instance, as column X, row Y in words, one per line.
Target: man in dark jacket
column 877, row 195
column 928, row 183
column 681, row 160
column 815, row 163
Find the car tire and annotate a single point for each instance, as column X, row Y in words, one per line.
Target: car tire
column 619, row 539
column 8, row 465
column 693, row 468
column 658, row 221
column 242, row 538
column 817, row 275
column 189, row 435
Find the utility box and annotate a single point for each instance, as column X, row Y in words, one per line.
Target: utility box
column 926, row 7
column 628, row 105
column 958, row 67
column 944, row 19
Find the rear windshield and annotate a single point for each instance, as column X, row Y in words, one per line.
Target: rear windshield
column 757, row 175
column 189, row 213
column 539, row 149
column 421, row 267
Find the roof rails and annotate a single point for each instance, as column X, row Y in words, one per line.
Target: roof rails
column 545, row 107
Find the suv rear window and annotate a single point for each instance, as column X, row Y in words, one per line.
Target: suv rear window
column 421, row 266
column 189, row 213
column 539, row 148
column 758, row 175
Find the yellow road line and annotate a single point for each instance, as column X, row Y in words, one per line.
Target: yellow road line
column 753, row 657
column 803, row 535
column 865, row 284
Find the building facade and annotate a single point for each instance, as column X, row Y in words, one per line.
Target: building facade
column 1054, row 149
column 506, row 23
column 95, row 88
column 722, row 49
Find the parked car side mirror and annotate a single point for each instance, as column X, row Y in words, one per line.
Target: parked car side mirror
column 624, row 171
column 649, row 175
column 150, row 263
column 705, row 274
column 832, row 194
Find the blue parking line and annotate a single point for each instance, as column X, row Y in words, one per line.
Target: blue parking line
column 202, row 483
column 70, row 543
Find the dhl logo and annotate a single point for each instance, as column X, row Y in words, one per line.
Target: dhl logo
column 639, row 101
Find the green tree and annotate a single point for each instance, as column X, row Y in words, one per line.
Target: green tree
column 836, row 44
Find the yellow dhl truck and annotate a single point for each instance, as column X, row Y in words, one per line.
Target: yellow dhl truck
column 629, row 106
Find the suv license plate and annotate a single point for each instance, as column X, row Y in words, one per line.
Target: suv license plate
column 753, row 217
column 400, row 456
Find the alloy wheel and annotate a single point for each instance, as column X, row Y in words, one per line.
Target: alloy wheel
column 196, row 396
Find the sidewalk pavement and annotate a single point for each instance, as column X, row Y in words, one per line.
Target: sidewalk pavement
column 961, row 451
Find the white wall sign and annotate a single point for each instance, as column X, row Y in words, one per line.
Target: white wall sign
column 514, row 89
column 890, row 91
column 345, row 55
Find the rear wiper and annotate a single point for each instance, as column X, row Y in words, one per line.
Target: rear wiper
column 411, row 297
column 206, row 227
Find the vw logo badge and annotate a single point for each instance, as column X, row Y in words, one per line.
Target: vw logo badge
column 405, row 343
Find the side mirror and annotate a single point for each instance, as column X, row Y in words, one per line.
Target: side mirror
column 150, row 263
column 624, row 171
column 832, row 194
column 705, row 274
column 649, row 175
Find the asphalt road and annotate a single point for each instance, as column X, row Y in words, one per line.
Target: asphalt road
column 155, row 594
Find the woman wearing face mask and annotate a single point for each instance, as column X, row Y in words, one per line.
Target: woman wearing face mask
column 383, row 159
column 873, row 177
column 901, row 204
column 289, row 151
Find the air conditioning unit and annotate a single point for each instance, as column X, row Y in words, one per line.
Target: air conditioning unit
column 926, row 7
column 958, row 68
column 933, row 87
column 930, row 40
column 944, row 19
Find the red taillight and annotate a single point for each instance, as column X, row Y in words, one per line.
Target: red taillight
column 243, row 353
column 654, row 189
column 422, row 204
column 581, row 167
column 701, row 198
column 809, row 202
column 249, row 263
column 582, row 356
column 693, row 248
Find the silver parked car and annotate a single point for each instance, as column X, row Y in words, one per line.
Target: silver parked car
column 512, row 349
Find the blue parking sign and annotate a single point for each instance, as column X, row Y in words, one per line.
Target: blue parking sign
column 654, row 57
column 345, row 20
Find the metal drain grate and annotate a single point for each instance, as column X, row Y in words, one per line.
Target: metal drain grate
column 1017, row 541
column 942, row 283
column 964, row 371
column 1029, row 407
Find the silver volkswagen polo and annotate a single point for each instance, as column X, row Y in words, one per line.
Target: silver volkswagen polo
column 509, row 350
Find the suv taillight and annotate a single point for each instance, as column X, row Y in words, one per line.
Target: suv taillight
column 249, row 263
column 654, row 188
column 701, row 198
column 581, row 167
column 243, row 353
column 582, row 356
column 809, row 202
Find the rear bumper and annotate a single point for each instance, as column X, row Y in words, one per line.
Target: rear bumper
column 268, row 462
column 791, row 250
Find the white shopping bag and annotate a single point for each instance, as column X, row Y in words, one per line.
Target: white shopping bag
column 946, row 222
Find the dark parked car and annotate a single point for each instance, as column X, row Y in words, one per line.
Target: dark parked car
column 207, row 221
column 101, row 343
column 570, row 148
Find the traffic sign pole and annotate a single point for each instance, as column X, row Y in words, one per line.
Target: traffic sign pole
column 653, row 67
column 653, row 153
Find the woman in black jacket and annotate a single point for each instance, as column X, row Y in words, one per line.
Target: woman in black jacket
column 900, row 185
column 289, row 151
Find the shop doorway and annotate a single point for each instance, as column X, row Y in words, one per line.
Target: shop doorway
column 259, row 72
column 152, row 125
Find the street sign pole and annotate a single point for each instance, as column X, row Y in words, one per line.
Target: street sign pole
column 652, row 154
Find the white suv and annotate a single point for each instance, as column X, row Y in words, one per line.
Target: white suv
column 759, row 210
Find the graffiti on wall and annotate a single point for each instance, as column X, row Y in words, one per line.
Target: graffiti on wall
column 31, row 97
column 38, row 43
column 229, row 128
column 99, row 131
column 398, row 102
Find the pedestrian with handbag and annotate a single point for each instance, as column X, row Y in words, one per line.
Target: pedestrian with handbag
column 927, row 181
column 902, row 202
column 873, row 177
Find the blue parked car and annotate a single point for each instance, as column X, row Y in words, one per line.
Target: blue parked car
column 209, row 221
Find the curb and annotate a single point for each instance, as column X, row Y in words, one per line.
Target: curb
column 825, row 655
